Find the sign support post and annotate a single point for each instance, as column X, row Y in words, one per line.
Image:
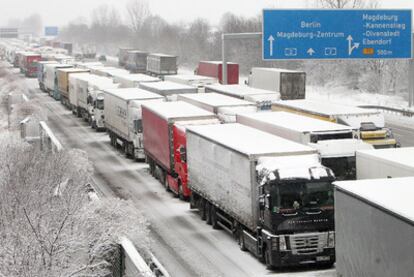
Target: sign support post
column 411, row 80
column 233, row 36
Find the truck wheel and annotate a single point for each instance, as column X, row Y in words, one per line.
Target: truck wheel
column 208, row 213
column 267, row 260
column 180, row 191
column 193, row 202
column 112, row 137
column 240, row 240
column 202, row 209
column 166, row 185
column 214, row 221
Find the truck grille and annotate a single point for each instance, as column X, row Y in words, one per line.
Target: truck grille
column 308, row 244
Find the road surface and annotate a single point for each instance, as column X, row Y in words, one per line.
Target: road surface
column 185, row 245
column 403, row 129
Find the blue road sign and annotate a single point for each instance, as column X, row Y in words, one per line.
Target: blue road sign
column 336, row 34
column 51, row 31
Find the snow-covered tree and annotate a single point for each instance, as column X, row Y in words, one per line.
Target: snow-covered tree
column 48, row 224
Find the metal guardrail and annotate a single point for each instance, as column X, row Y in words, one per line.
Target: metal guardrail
column 402, row 112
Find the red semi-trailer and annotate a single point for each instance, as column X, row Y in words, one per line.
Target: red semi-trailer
column 29, row 64
column 215, row 69
column 164, row 125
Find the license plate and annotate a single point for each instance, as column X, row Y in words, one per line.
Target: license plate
column 323, row 258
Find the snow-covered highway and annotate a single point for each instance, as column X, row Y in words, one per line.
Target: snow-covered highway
column 183, row 243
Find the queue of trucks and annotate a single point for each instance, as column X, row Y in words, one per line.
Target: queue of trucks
column 250, row 159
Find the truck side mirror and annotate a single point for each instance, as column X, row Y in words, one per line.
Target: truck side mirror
column 267, row 201
column 183, row 154
column 262, row 202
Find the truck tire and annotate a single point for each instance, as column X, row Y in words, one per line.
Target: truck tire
column 326, row 265
column 193, row 202
column 113, row 139
column 240, row 240
column 269, row 266
column 214, row 220
column 208, row 212
column 151, row 166
column 165, row 183
column 180, row 191
column 202, row 208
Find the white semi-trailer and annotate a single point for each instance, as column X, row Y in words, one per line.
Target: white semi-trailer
column 371, row 123
column 263, row 98
column 73, row 87
column 123, row 118
column 225, row 107
column 374, row 223
column 289, row 83
column 385, row 163
column 85, row 86
column 272, row 194
column 336, row 143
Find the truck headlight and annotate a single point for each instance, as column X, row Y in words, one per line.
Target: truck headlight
column 282, row 243
column 331, row 240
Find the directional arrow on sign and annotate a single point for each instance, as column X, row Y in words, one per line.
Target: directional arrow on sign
column 311, row 52
column 351, row 47
column 271, row 39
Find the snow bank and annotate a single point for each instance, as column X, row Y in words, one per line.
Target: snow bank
column 343, row 95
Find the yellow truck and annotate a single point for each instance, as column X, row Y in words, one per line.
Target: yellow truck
column 63, row 83
column 370, row 123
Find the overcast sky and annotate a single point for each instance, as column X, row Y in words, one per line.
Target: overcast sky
column 59, row 12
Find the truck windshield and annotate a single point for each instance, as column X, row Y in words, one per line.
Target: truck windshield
column 343, row 167
column 306, row 195
column 369, row 126
column 100, row 104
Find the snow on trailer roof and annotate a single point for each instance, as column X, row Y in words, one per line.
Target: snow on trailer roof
column 47, row 62
column 278, row 69
column 74, row 70
column 137, row 51
column 177, row 110
column 58, row 65
column 403, row 156
column 324, row 108
column 138, row 77
column 215, row 100
column 250, row 141
column 239, row 90
column 392, row 195
column 96, row 80
column 78, row 75
column 167, row 88
column 132, row 94
column 88, row 64
column 189, row 77
column 161, row 55
column 216, row 62
column 27, row 54
column 296, row 122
